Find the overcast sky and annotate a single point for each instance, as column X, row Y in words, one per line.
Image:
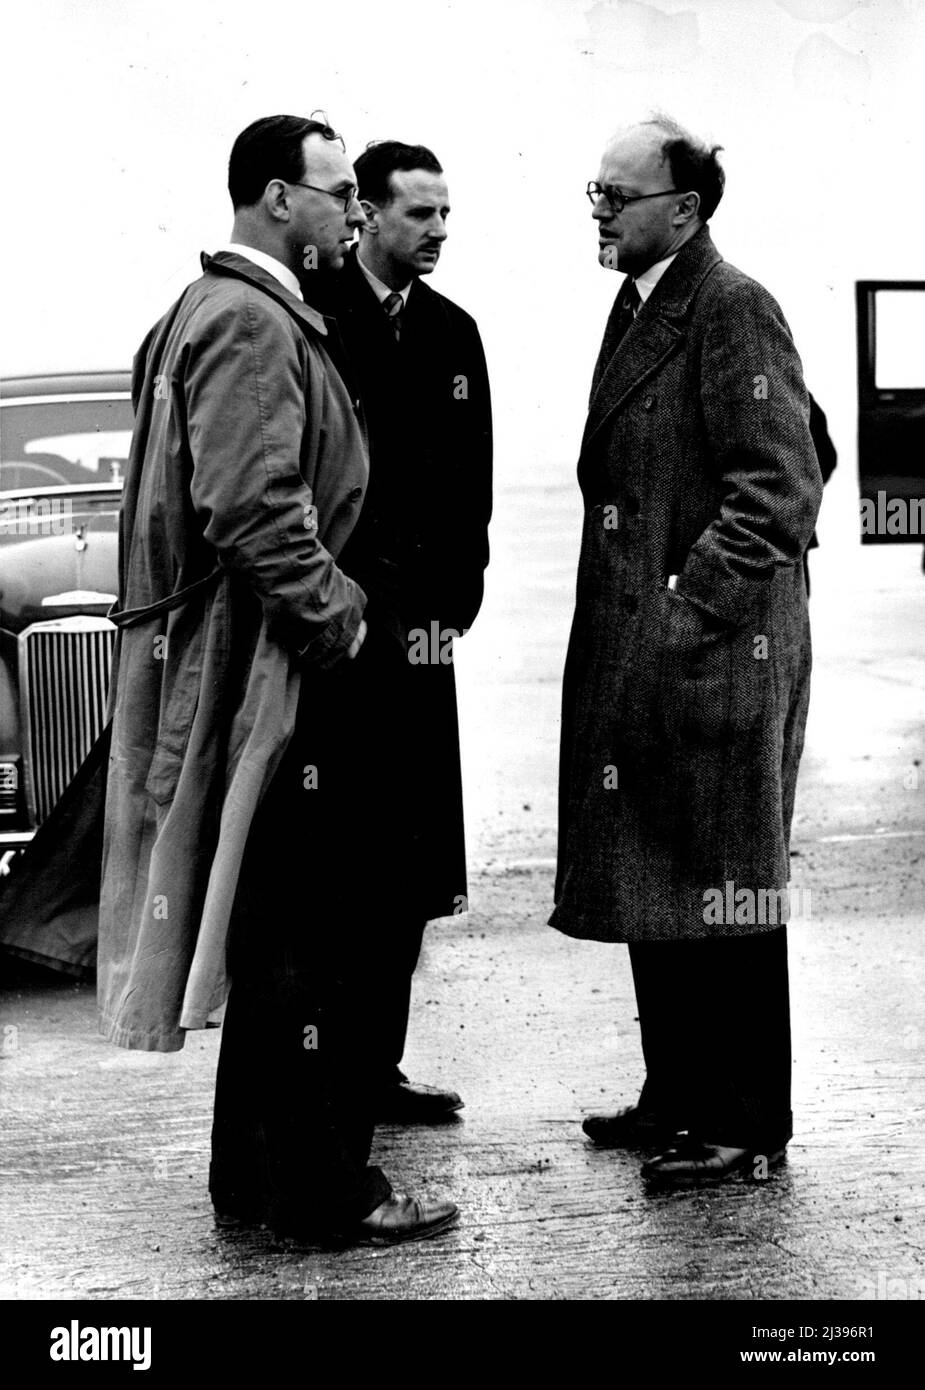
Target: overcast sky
column 120, row 115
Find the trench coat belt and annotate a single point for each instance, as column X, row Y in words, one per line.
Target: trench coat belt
column 129, row 617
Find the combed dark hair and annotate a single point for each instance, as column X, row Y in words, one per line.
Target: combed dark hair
column 271, row 148
column 693, row 164
column 383, row 158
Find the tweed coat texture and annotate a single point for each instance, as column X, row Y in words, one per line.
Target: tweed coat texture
column 684, row 709
column 248, row 463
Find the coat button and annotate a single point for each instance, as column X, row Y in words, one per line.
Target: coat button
column 355, row 494
column 629, row 603
column 648, row 403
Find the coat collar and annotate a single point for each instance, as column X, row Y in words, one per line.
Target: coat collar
column 354, row 283
column 239, row 268
column 657, row 330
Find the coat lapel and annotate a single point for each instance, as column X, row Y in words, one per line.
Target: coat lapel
column 239, row 268
column 658, row 329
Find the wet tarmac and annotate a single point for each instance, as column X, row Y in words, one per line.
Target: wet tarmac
column 105, row 1152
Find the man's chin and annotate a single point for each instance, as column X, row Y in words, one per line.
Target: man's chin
column 334, row 260
column 314, row 279
column 608, row 256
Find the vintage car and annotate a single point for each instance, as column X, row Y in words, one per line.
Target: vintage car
column 64, row 441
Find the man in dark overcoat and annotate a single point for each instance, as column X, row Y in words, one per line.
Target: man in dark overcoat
column 229, row 849
column 419, row 552
column 687, row 677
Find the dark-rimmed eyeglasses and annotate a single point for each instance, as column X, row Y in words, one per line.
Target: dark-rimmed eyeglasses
column 345, row 198
column 616, row 200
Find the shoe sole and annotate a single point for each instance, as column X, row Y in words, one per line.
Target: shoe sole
column 741, row 1170
column 230, row 1221
column 438, row 1118
column 347, row 1240
column 423, row 1233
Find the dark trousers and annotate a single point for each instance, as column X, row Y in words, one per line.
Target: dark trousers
column 714, row 1016
column 406, row 936
column 293, row 1125
column 294, row 1108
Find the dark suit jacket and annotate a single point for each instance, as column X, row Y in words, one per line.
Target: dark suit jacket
column 420, row 547
column 422, row 538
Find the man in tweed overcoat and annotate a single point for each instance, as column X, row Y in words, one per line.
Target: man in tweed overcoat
column 687, row 678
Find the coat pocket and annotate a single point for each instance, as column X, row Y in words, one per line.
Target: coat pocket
column 180, row 691
column 695, row 687
column 164, row 774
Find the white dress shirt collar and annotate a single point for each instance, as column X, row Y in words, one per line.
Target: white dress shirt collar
column 646, row 282
column 380, row 290
column 270, row 264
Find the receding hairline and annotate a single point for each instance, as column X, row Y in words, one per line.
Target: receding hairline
column 394, row 192
column 660, row 142
column 664, row 128
column 315, row 142
column 410, row 173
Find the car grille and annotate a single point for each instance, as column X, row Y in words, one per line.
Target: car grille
column 64, row 671
column 9, row 788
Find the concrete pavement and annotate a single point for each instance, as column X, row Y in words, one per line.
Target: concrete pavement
column 105, row 1152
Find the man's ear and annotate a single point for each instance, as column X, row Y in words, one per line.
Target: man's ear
column 276, row 200
column 688, row 208
column 370, row 209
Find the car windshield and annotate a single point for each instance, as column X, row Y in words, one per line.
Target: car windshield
column 60, row 443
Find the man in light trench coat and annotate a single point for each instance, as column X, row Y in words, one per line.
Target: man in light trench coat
column 239, row 739
column 687, row 677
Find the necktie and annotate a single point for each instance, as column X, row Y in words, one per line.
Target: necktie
column 393, row 306
column 627, row 306
column 630, row 304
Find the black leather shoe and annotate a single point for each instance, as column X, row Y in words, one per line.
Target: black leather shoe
column 398, row 1218
column 401, row 1218
column 230, row 1214
column 406, row 1104
column 630, row 1128
column 231, row 1220
column 692, row 1162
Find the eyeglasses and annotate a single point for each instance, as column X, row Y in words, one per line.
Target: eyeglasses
column 616, row 200
column 345, row 198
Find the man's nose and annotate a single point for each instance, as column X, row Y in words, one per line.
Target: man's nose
column 356, row 217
